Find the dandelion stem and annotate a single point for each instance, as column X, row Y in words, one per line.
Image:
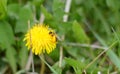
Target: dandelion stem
column 42, row 65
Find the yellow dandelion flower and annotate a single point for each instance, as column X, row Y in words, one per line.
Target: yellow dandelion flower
column 40, row 39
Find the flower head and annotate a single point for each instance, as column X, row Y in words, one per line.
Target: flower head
column 40, row 39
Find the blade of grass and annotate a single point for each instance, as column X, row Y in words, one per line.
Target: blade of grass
column 101, row 17
column 115, row 34
column 113, row 57
column 100, row 55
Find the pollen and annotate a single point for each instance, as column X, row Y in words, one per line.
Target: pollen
column 40, row 39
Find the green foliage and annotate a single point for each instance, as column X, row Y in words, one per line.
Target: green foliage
column 13, row 10
column 77, row 65
column 3, row 8
column 37, row 2
column 58, row 10
column 23, row 55
column 79, row 33
column 92, row 26
column 25, row 14
column 7, row 36
column 45, row 12
column 10, row 55
column 114, row 58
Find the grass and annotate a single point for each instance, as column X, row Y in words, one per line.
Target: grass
column 87, row 32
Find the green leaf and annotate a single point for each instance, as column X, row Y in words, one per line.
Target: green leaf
column 10, row 54
column 3, row 8
column 13, row 10
column 113, row 4
column 46, row 13
column 58, row 10
column 57, row 68
column 114, row 58
column 110, row 3
column 6, row 34
column 37, row 2
column 25, row 14
column 23, row 55
column 79, row 33
column 77, row 66
column 63, row 27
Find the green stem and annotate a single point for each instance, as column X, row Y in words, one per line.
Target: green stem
column 100, row 55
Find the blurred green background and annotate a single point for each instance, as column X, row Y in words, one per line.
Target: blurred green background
column 92, row 27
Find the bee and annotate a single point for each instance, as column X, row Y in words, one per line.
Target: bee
column 53, row 35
